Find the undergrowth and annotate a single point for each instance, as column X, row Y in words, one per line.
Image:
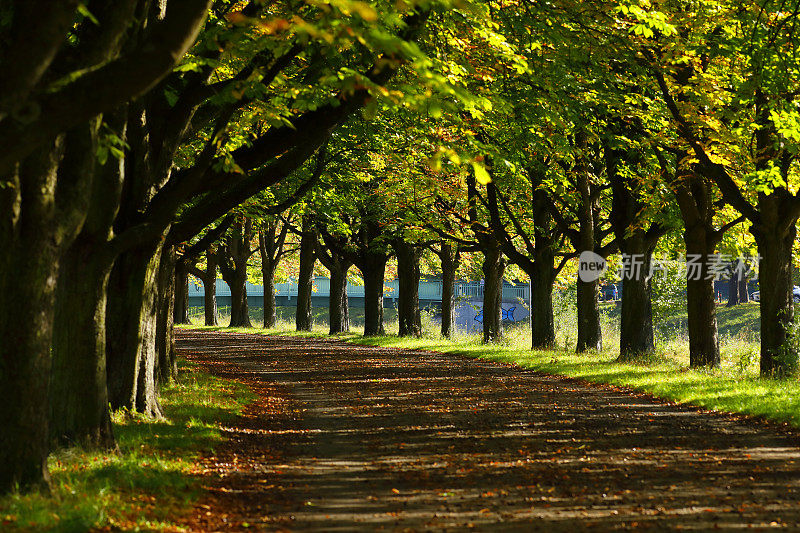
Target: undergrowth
column 149, row 481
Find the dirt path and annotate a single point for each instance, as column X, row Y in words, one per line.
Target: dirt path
column 350, row 438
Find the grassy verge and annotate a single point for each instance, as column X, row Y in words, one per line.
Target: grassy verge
column 152, row 479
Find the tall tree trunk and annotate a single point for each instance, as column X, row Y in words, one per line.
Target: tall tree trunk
column 79, row 411
column 181, row 294
column 373, row 269
column 636, row 243
column 734, row 294
column 700, row 300
column 744, row 294
column 233, row 265
column 543, row 333
column 493, row 269
column 131, row 330
column 270, row 247
column 29, row 237
column 636, row 316
column 775, row 238
column 166, row 362
column 339, row 314
column 450, row 259
column 210, row 289
column 240, row 313
column 268, row 276
column 590, row 335
column 304, row 319
column 408, row 314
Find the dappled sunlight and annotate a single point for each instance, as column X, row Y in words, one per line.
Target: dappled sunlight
column 418, row 439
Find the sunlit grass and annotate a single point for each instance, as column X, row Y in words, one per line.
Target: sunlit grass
column 149, row 482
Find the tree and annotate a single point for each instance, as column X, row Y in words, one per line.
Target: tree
column 753, row 101
column 49, row 133
column 235, row 252
column 305, row 281
column 271, row 247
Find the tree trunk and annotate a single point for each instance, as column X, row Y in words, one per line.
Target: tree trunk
column 210, row 289
column 493, row 268
column 775, row 239
column 29, row 237
column 131, row 331
column 636, row 243
column 339, row 314
column 543, row 333
column 240, row 314
column 636, row 318
column 79, row 413
column 700, row 300
column 408, row 314
column 450, row 260
column 268, row 276
column 270, row 247
column 373, row 269
column 744, row 293
column 734, row 294
column 233, row 266
column 304, row 320
column 181, row 294
column 166, row 362
column 590, row 335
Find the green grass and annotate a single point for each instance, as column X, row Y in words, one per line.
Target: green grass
column 734, row 387
column 149, row 481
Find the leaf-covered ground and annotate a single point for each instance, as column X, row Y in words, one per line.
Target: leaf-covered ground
column 347, row 437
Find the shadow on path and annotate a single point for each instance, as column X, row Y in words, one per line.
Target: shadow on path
column 352, row 437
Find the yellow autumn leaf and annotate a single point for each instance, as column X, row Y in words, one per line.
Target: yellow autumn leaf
column 480, row 173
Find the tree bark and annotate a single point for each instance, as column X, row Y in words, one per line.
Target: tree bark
column 30, row 238
column 734, row 285
column 450, row 259
column 79, row 413
column 181, row 294
column 338, row 308
column 744, row 294
column 210, row 289
column 235, row 254
column 775, row 239
column 493, row 269
column 271, row 248
column 408, row 314
column 636, row 242
column 543, row 333
column 240, row 313
column 304, row 320
column 131, row 331
column 166, row 361
column 268, row 277
column 636, row 316
column 700, row 301
column 590, row 334
column 373, row 269
column 539, row 261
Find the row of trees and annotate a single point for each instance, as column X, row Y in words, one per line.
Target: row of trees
column 128, row 128
column 141, row 135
